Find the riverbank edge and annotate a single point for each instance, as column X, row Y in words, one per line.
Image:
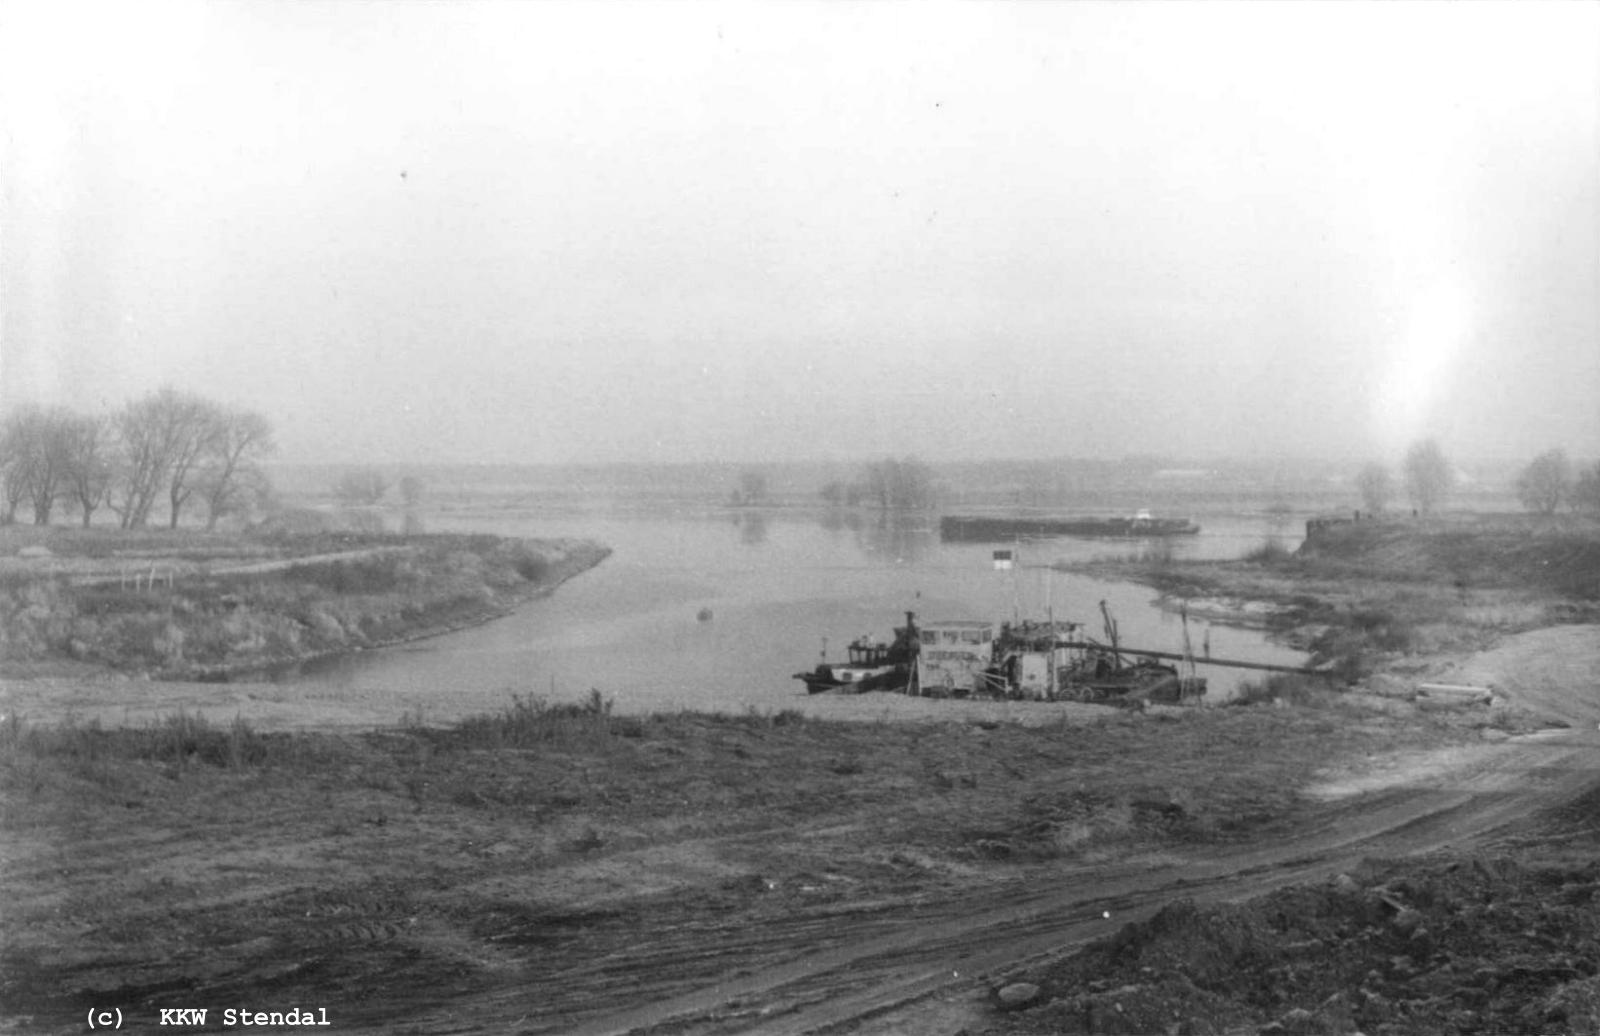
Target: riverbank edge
column 589, row 555
column 1215, row 591
column 498, row 597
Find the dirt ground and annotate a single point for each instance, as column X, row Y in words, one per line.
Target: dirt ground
column 1491, row 928
column 574, row 871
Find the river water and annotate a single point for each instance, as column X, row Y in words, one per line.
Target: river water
column 778, row 589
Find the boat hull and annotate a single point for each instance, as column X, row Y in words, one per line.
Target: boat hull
column 982, row 529
column 823, row 680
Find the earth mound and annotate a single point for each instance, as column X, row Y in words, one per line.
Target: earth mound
column 1447, row 946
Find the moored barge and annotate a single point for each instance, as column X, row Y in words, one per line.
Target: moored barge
column 969, row 658
column 954, row 528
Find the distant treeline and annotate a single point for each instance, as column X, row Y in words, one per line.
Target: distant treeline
column 1069, row 484
column 892, row 485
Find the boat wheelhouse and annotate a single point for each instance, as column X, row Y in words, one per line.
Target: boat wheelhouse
column 954, row 657
column 874, row 665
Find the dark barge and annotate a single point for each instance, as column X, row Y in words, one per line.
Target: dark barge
column 987, row 529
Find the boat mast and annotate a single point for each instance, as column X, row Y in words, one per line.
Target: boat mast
column 1111, row 634
column 1016, row 579
column 1050, row 615
column 1190, row 671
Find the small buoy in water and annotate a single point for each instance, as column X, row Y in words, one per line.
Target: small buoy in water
column 705, row 615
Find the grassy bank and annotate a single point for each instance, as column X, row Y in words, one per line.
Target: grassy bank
column 196, row 605
column 554, row 848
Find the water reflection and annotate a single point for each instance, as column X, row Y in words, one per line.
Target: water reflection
column 897, row 536
column 752, row 526
column 836, row 519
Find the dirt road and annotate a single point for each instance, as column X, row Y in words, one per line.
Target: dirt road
column 924, row 973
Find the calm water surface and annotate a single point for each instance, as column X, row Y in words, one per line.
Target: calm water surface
column 778, row 588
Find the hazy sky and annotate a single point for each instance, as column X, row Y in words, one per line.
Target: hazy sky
column 673, row 231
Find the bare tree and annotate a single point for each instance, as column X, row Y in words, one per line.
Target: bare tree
column 231, row 477
column 35, row 448
column 900, row 484
column 88, row 464
column 140, row 464
column 164, row 438
column 1376, row 487
column 198, row 424
column 1428, row 475
column 361, row 487
column 13, row 450
column 1545, row 482
column 411, row 490
column 752, row 489
column 12, row 489
column 1586, row 491
column 149, row 431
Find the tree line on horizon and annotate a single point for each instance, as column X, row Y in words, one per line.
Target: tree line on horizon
column 891, row 484
column 1426, row 476
column 1543, row 485
column 169, row 448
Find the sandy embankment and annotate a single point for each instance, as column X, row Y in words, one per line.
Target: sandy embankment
column 1551, row 676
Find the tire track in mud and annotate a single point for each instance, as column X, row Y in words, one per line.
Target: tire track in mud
column 1506, row 788
column 774, row 980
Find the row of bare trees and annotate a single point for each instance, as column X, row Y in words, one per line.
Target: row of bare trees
column 1548, row 482
column 1428, row 478
column 169, row 447
column 891, row 484
column 1543, row 486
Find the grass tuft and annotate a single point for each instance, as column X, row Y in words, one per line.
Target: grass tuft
column 532, row 722
column 181, row 738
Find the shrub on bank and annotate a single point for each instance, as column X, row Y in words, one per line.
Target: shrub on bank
column 532, row 567
column 378, row 574
column 529, row 722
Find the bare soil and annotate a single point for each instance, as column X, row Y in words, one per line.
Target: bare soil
column 567, row 870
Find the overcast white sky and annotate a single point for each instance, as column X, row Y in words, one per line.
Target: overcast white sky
column 675, row 231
